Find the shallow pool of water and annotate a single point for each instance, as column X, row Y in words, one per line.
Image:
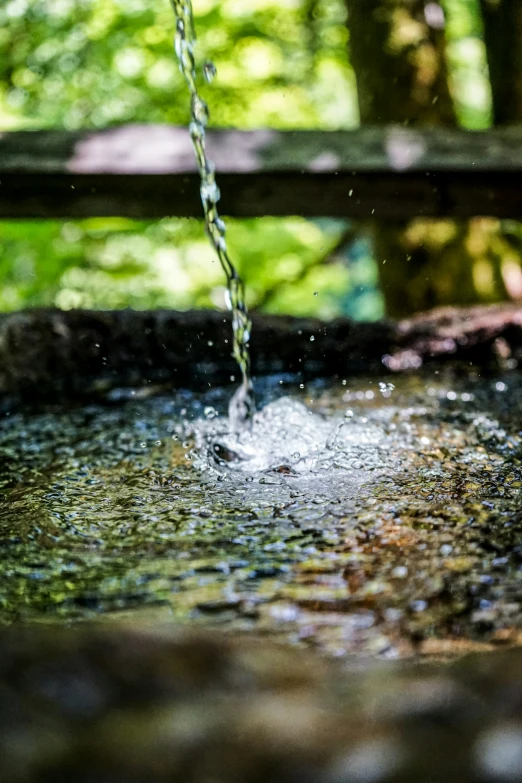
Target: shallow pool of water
column 354, row 518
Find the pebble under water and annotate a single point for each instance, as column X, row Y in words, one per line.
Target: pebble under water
column 352, row 519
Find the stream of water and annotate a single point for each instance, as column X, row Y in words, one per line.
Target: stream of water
column 241, row 407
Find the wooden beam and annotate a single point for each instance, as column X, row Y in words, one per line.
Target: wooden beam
column 148, row 172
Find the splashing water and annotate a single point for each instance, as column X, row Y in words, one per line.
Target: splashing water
column 241, row 406
column 284, row 437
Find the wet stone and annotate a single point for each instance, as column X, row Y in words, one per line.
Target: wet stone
column 170, row 704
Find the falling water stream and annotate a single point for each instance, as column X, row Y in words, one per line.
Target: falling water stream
column 241, row 406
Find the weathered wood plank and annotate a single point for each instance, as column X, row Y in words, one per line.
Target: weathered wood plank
column 149, row 171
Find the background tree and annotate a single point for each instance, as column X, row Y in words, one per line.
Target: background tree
column 282, row 65
column 104, row 62
column 398, row 52
column 503, row 36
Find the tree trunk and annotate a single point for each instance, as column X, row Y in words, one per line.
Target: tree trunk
column 503, row 36
column 398, row 55
column 399, row 63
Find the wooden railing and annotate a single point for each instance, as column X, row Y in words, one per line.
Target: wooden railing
column 148, row 171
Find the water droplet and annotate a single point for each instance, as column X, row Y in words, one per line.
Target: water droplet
column 386, row 389
column 197, row 131
column 312, row 338
column 220, row 225
column 158, row 443
column 178, row 41
column 209, row 71
column 143, row 445
column 199, row 110
column 210, row 192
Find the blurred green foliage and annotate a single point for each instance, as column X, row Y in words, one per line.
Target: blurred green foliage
column 280, row 63
column 467, row 63
column 111, row 263
column 98, row 62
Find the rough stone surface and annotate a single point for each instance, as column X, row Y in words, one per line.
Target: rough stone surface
column 152, row 705
column 50, row 354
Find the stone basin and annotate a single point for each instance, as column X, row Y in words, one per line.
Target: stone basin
column 292, row 605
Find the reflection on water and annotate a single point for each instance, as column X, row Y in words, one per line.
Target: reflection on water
column 351, row 520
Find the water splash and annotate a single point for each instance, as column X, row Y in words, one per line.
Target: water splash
column 288, row 438
column 242, row 405
column 285, row 435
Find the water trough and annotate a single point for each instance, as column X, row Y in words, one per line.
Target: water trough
column 368, row 521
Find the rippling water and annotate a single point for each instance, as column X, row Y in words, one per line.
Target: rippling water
column 362, row 519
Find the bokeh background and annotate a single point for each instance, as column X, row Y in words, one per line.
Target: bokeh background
column 324, row 64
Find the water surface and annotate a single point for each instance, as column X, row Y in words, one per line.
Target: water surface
column 352, row 519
